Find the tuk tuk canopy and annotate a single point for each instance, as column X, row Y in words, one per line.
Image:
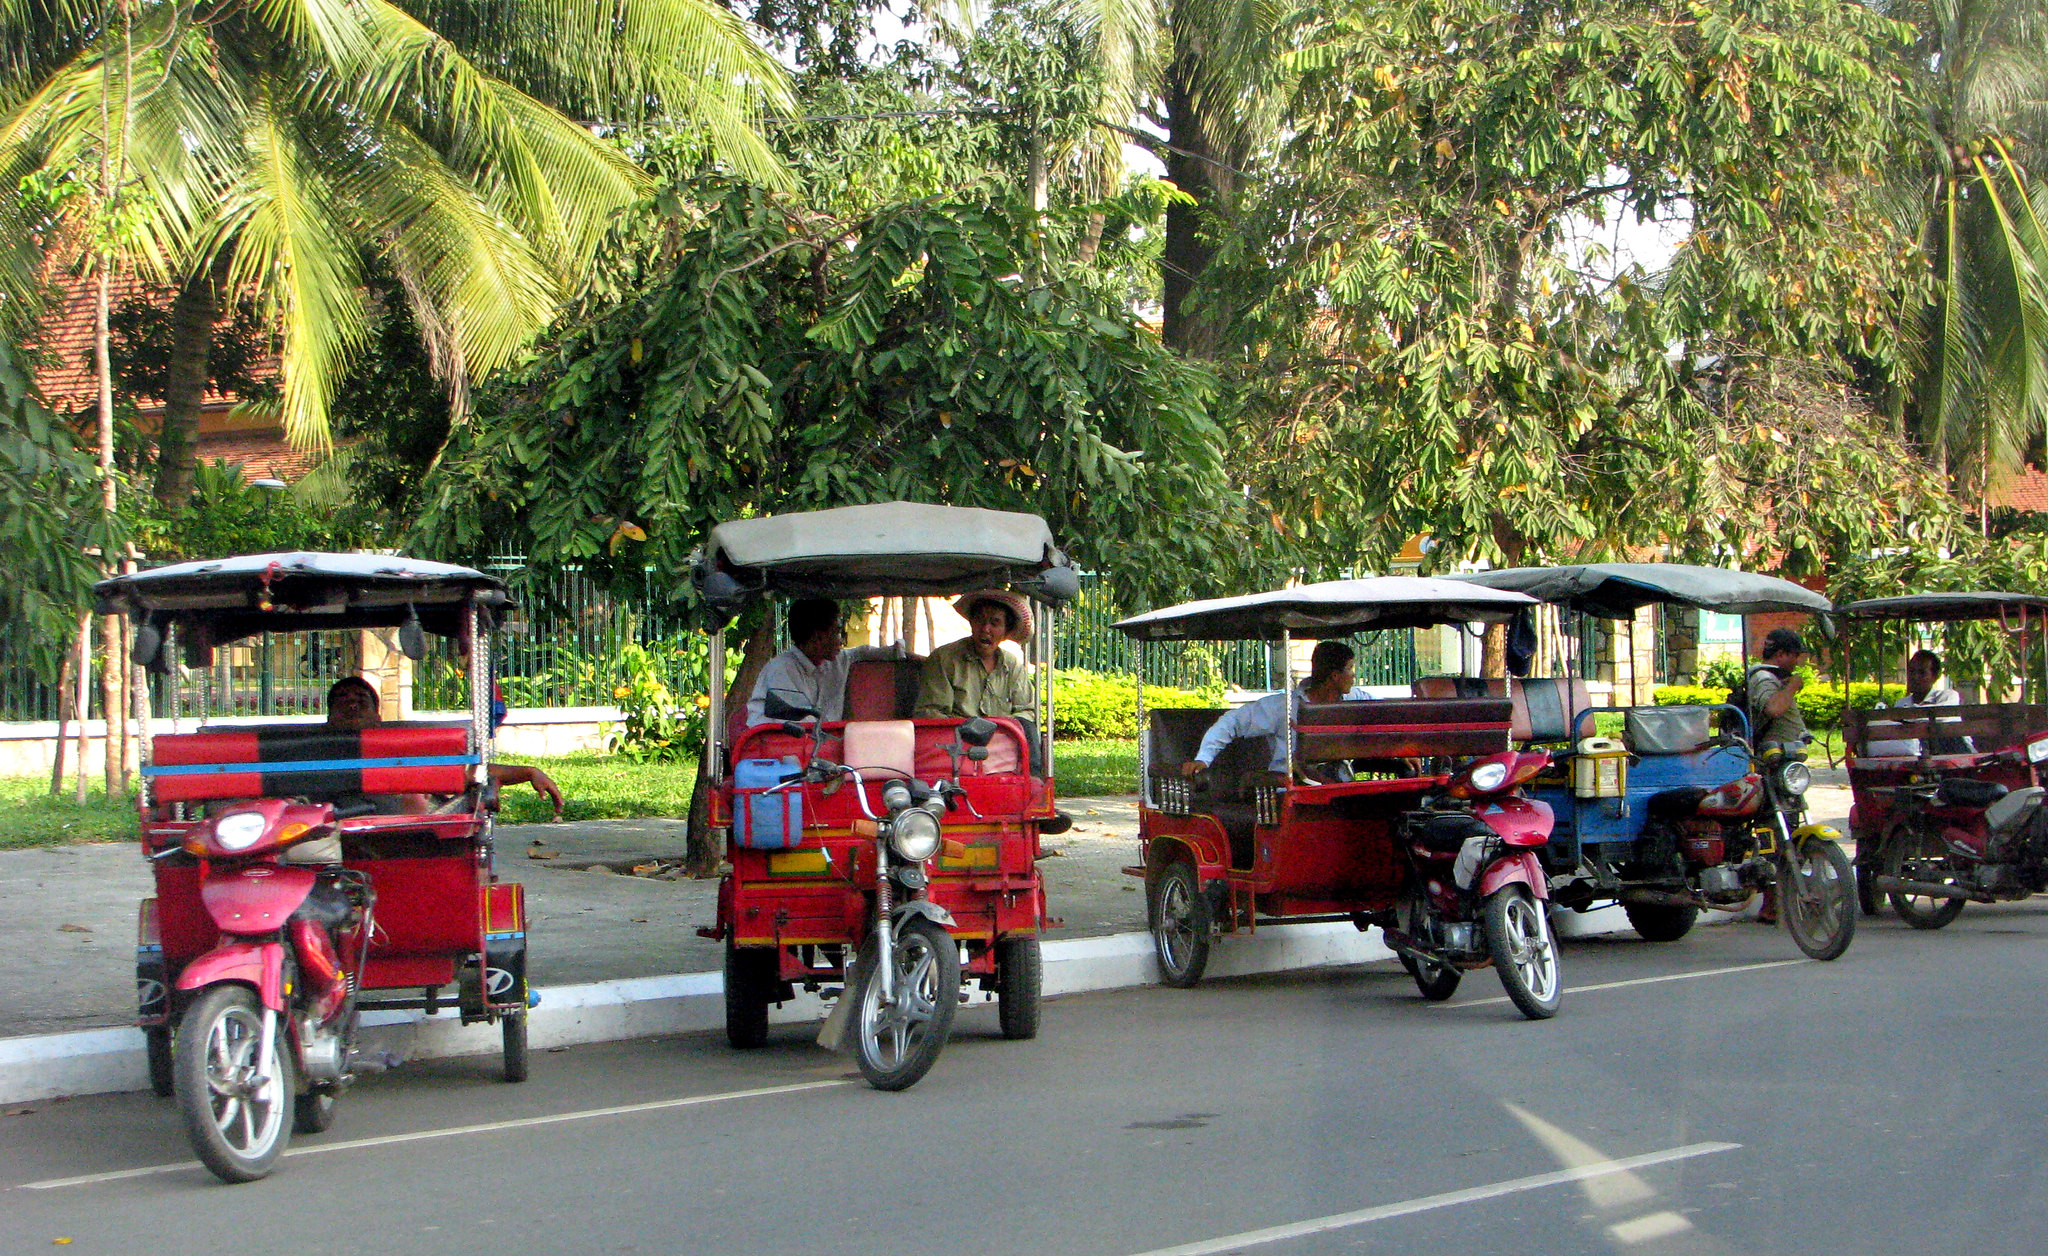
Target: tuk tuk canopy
column 1619, row 590
column 1334, row 608
column 892, row 549
column 306, row 592
column 1947, row 607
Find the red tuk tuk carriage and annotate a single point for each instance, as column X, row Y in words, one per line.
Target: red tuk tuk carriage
column 882, row 834
column 1440, row 851
column 1947, row 806
column 306, row 873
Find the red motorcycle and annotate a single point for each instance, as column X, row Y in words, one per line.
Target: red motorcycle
column 270, row 1011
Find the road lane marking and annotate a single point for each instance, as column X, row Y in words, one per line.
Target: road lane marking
column 1644, row 981
column 1429, row 1203
column 386, row 1140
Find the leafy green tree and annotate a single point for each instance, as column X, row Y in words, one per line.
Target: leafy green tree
column 277, row 146
column 1434, row 349
column 49, row 516
column 1969, row 187
column 760, row 357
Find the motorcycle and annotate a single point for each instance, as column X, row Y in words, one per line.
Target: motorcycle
column 1958, row 839
column 904, row 984
column 263, row 1047
column 1477, row 892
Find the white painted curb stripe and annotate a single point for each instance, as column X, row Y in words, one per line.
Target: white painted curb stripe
column 1429, row 1203
column 99, row 1060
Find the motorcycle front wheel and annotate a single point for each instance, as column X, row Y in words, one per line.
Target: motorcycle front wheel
column 1524, row 952
column 238, row 1118
column 899, row 1040
column 1914, row 856
column 1817, row 898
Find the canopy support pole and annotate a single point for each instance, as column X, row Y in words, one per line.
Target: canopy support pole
column 1287, row 679
column 1144, row 736
column 714, row 728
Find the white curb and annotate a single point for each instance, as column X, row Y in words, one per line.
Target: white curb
column 100, row 1060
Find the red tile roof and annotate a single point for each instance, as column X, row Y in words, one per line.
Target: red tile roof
column 2026, row 489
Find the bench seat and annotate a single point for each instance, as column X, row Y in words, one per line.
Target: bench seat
column 309, row 760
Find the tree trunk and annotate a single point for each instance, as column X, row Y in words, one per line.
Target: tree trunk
column 1091, row 239
column 63, row 725
column 81, row 702
column 110, row 633
column 702, row 850
column 193, row 316
column 1193, row 326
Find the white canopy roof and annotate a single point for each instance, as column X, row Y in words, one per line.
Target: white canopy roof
column 888, row 549
column 1335, row 608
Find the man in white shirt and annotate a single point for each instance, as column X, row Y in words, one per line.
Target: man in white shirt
column 1331, row 675
column 1923, row 689
column 811, row 674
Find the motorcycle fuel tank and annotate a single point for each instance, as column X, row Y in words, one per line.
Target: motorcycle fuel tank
column 255, row 898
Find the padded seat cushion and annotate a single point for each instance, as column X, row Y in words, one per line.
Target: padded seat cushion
column 888, row 747
column 309, row 760
column 1963, row 792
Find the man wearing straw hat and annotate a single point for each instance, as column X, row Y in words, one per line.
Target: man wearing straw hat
column 975, row 675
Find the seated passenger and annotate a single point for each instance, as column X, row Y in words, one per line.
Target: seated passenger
column 353, row 705
column 811, row 673
column 1331, row 675
column 976, row 675
column 1923, row 672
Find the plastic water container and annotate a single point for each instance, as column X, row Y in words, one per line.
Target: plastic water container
column 1600, row 768
column 761, row 820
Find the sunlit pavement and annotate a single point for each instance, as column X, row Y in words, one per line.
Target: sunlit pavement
column 1888, row 1102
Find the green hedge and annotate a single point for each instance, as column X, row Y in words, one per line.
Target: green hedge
column 1099, row 706
column 1820, row 702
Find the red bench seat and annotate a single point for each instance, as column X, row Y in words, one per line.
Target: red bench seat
column 309, row 760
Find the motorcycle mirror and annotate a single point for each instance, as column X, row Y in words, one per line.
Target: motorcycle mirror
column 1826, row 624
column 792, row 728
column 412, row 639
column 149, row 643
column 977, row 753
column 1055, row 586
column 978, row 732
column 723, row 597
column 776, row 707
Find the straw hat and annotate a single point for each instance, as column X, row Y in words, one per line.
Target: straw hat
column 1020, row 610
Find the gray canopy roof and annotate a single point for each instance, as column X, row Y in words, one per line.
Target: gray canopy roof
column 890, row 549
column 1944, row 607
column 1335, row 608
column 1618, row 590
column 307, row 591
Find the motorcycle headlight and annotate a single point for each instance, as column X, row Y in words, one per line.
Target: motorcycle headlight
column 239, row 830
column 2037, row 750
column 1488, row 777
column 1795, row 777
column 914, row 835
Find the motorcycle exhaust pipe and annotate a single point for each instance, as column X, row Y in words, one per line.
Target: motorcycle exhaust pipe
column 1926, row 889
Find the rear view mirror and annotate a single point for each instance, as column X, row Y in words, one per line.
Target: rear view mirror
column 1055, row 586
column 148, row 645
column 776, row 708
column 978, row 732
column 723, row 597
column 412, row 639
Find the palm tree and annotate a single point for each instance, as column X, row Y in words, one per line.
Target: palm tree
column 1977, row 392
column 278, row 147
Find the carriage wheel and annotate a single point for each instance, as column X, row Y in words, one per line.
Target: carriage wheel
column 1019, row 976
column 1912, row 855
column 750, row 976
column 1180, row 925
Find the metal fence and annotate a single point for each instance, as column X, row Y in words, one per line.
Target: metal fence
column 571, row 643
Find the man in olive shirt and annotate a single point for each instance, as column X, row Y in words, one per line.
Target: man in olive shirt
column 1774, row 689
column 975, row 675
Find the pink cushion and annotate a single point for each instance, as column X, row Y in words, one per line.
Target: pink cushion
column 885, row 746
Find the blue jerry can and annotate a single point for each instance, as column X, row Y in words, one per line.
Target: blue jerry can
column 764, row 821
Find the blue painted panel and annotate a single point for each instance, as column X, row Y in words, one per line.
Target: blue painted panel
column 1593, row 821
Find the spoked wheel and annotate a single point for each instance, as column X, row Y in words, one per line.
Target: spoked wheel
column 162, row 1067
column 1436, row 981
column 899, row 1040
column 1661, row 922
column 1180, row 925
column 1019, row 974
column 1817, row 898
column 750, row 974
column 238, row 1117
column 1914, row 856
column 1524, row 952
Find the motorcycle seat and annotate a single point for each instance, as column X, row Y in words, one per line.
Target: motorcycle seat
column 1676, row 804
column 1963, row 792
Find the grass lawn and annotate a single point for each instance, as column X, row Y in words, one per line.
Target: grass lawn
column 596, row 786
column 1090, row 769
column 33, row 818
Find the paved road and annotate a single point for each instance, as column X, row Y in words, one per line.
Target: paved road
column 1890, row 1102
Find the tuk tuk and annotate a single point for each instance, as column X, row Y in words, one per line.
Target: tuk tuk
column 1681, row 812
column 309, row 872
column 1947, row 799
column 886, row 853
column 1402, row 814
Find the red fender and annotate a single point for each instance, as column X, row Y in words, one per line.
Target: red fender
column 258, row 964
column 1518, row 820
column 1509, row 869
